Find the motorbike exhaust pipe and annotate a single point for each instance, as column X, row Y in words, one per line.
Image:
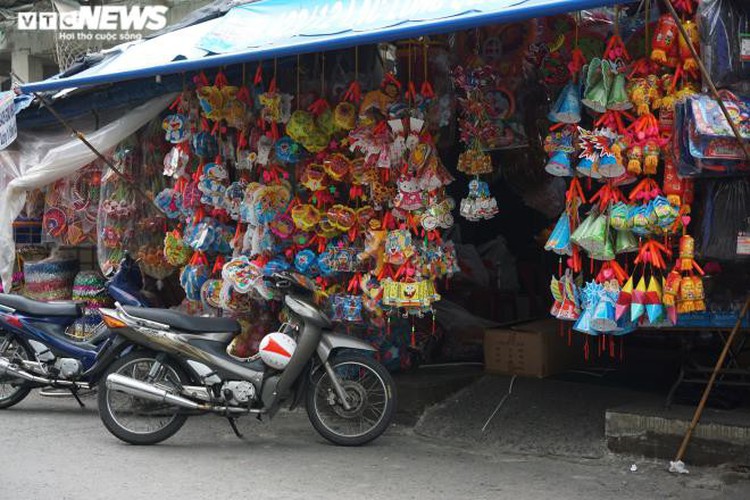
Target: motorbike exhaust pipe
column 145, row 390
column 8, row 368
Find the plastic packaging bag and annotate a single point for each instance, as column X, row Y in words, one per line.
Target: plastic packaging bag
column 71, row 206
column 151, row 226
column 118, row 209
column 725, row 41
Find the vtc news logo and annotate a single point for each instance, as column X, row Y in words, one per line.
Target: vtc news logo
column 107, row 18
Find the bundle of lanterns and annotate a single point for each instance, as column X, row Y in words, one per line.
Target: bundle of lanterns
column 612, row 129
column 351, row 195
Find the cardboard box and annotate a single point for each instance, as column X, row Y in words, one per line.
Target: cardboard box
column 533, row 349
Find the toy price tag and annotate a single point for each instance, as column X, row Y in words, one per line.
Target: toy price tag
column 745, row 47
column 743, row 243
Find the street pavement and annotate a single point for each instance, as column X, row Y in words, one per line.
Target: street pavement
column 51, row 449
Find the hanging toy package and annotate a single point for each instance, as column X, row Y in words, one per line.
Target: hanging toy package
column 118, row 210
column 151, row 226
column 71, row 205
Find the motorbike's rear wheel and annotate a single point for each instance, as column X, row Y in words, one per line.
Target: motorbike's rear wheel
column 136, row 420
column 372, row 398
column 13, row 390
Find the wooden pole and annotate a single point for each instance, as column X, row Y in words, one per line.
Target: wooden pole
column 709, row 81
column 711, row 381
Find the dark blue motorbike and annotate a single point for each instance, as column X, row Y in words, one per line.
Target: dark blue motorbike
column 35, row 351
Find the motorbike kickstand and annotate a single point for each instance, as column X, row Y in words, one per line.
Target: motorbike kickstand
column 233, row 425
column 74, row 392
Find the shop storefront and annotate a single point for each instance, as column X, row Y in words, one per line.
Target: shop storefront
column 385, row 172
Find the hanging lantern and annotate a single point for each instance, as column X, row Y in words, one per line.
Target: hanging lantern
column 567, row 108
column 664, row 39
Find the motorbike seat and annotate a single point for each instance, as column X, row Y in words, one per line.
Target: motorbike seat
column 184, row 322
column 37, row 308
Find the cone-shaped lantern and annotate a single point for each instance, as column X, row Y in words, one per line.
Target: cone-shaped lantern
column 618, row 97
column 567, row 108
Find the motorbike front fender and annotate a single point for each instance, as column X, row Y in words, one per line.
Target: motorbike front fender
column 330, row 341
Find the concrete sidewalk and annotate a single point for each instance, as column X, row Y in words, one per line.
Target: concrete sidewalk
column 551, row 417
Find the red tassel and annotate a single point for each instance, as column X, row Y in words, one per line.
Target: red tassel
column 354, row 92
column 427, row 90
column 200, row 80
column 199, row 214
column 411, row 93
column 318, row 107
column 237, row 234
column 586, row 349
column 176, row 102
column 244, row 96
column 258, row 75
column 391, row 78
column 218, row 265
column 241, row 139
column 221, row 79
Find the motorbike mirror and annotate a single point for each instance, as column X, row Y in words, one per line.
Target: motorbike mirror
column 283, row 283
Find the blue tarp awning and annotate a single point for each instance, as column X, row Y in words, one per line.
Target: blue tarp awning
column 277, row 28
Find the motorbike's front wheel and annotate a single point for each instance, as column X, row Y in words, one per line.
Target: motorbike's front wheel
column 371, row 395
column 136, row 420
column 15, row 350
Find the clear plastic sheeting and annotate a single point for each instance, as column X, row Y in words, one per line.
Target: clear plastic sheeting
column 39, row 159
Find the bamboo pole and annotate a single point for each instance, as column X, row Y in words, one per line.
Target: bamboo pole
column 707, row 77
column 711, row 381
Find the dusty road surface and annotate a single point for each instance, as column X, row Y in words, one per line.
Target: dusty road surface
column 51, row 449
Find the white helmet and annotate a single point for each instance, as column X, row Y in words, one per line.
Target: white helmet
column 276, row 349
